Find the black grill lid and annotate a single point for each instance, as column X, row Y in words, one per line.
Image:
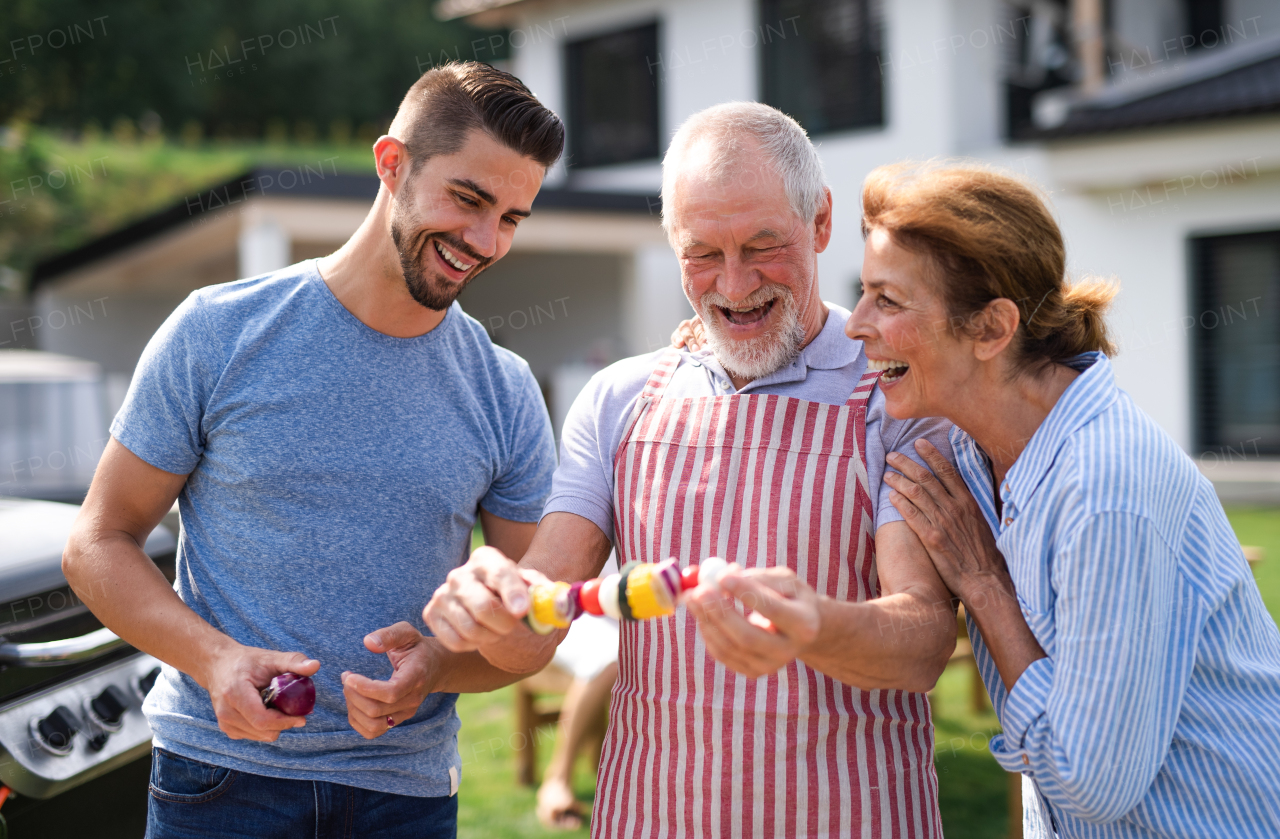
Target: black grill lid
column 32, row 537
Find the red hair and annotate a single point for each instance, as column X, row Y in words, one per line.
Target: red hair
column 990, row 235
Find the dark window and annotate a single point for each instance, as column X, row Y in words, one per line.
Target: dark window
column 1237, row 343
column 613, row 97
column 1036, row 43
column 1204, row 22
column 821, row 62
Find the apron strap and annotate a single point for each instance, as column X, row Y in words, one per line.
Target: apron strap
column 866, row 384
column 858, row 402
column 658, row 381
column 662, row 372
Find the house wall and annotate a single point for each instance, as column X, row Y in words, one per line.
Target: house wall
column 944, row 98
column 552, row 308
column 570, row 314
column 710, row 54
column 1135, row 230
column 16, row 326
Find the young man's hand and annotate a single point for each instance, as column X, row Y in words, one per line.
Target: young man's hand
column 480, row 607
column 374, row 707
column 234, row 681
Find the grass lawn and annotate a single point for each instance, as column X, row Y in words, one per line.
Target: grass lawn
column 1261, row 527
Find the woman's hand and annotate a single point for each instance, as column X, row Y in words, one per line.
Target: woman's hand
column 690, row 334
column 939, row 508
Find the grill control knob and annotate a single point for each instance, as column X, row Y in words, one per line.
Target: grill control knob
column 107, row 708
column 147, row 682
column 55, row 732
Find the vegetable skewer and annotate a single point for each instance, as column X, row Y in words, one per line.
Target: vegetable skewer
column 639, row 591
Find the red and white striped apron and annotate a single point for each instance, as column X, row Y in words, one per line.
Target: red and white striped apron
column 694, row 749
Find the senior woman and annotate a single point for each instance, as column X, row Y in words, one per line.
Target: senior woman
column 1119, row 631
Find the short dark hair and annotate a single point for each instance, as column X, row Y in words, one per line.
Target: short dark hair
column 451, row 100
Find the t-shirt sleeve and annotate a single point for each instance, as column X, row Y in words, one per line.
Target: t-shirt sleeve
column 521, row 489
column 162, row 418
column 900, row 436
column 584, row 480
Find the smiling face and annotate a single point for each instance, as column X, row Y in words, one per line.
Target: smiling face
column 456, row 214
column 748, row 263
column 902, row 321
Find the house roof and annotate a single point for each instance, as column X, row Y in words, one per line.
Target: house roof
column 1240, row 81
column 303, row 182
column 451, row 9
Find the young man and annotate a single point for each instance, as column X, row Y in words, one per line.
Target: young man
column 331, row 432
column 768, row 449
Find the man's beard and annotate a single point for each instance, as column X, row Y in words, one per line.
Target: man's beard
column 758, row 357
column 424, row 282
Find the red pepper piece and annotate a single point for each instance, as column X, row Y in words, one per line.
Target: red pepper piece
column 589, row 597
column 689, row 578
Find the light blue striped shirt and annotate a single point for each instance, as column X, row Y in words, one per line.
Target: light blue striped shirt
column 1157, row 711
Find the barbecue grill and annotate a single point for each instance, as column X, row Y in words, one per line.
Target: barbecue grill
column 71, row 691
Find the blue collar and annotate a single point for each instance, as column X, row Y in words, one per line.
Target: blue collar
column 1086, row 397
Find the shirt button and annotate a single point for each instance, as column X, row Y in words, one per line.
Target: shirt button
column 1025, row 761
column 1008, row 521
column 697, row 363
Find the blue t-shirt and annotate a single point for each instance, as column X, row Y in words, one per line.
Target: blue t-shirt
column 335, row 477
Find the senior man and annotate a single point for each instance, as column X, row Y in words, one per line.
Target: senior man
column 767, row 449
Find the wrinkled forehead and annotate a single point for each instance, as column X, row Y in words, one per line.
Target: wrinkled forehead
column 732, row 200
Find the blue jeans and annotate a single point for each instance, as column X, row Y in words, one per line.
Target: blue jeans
column 191, row 799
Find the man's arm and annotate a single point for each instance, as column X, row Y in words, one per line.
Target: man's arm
column 107, row 568
column 480, row 606
column 901, row 639
column 422, row 665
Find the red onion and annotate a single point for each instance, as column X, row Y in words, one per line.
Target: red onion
column 290, row 694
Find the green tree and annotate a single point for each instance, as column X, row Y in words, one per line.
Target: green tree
column 230, row 67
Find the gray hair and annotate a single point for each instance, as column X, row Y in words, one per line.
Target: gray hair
column 780, row 138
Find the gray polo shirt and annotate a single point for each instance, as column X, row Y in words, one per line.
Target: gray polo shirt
column 827, row 370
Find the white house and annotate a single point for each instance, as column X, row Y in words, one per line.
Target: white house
column 1154, row 124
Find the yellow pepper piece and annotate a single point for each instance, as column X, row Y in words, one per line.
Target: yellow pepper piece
column 643, row 596
column 543, row 608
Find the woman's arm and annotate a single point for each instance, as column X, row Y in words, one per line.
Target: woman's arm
column 1094, row 723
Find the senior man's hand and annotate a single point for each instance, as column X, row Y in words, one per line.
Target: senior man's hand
column 784, row 619
column 480, row 607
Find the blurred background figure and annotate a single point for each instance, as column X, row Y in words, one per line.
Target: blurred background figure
column 589, row 653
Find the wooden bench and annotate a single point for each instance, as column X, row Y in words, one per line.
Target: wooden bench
column 537, row 704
